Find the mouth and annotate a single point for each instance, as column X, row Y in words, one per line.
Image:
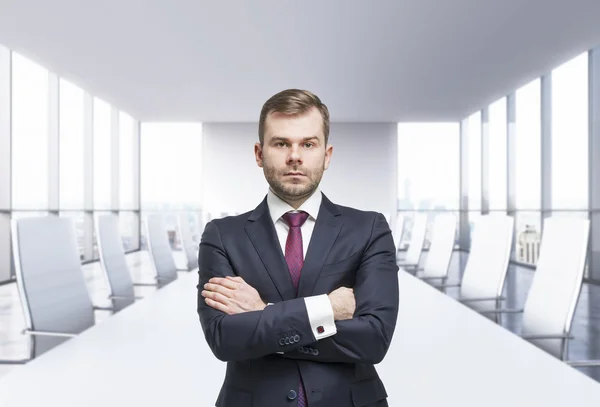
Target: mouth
column 293, row 174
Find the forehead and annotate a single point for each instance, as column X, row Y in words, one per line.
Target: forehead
column 308, row 124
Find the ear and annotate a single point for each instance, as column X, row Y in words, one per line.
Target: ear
column 258, row 154
column 328, row 153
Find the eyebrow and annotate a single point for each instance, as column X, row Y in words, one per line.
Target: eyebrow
column 305, row 139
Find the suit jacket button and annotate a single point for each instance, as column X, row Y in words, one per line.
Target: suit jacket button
column 292, row 395
column 282, row 341
column 296, row 338
column 315, row 352
column 287, row 340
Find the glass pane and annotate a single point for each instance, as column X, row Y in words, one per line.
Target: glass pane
column 428, row 166
column 30, row 134
column 570, row 134
column 126, row 162
column 528, row 180
column 128, row 225
column 172, row 185
column 474, row 164
column 78, row 219
column 71, row 146
column 102, row 145
column 528, row 226
column 497, row 155
column 95, row 238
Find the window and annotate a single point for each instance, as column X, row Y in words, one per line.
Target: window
column 528, row 181
column 78, row 221
column 170, row 166
column 29, row 134
column 428, row 166
column 126, row 162
column 570, row 134
column 71, row 146
column 129, row 222
column 102, row 155
column 474, row 164
column 528, row 162
column 497, row 156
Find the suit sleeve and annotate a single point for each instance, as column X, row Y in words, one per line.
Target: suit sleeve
column 280, row 327
column 366, row 337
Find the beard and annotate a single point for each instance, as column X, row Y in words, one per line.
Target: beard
column 290, row 189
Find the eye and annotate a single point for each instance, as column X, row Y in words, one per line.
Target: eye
column 308, row 145
column 279, row 144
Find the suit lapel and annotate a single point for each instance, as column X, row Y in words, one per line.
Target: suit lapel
column 326, row 230
column 261, row 231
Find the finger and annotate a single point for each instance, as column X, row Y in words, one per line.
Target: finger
column 225, row 282
column 236, row 278
column 216, row 297
column 217, row 305
column 219, row 289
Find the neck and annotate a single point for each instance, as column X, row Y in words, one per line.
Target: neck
column 294, row 203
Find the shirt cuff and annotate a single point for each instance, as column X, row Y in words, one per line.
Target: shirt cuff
column 320, row 316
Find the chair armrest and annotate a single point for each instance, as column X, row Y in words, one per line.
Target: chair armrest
column 101, row 308
column 48, row 333
column 564, row 336
column 502, row 311
column 448, row 285
column 583, row 363
column 476, row 299
column 123, row 297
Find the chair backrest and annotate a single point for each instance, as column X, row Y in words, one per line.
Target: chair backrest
column 160, row 250
column 487, row 264
column 557, row 280
column 187, row 240
column 50, row 281
column 398, row 230
column 442, row 244
column 417, row 239
column 112, row 259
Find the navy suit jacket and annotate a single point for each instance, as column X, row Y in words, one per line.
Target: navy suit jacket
column 348, row 248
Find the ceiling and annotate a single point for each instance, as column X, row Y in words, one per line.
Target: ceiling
column 381, row 60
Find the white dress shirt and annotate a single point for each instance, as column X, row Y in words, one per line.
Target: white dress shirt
column 320, row 312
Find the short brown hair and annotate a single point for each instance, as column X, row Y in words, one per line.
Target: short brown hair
column 293, row 102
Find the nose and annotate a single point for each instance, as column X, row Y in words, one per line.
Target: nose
column 295, row 155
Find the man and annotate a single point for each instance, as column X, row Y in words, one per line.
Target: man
column 299, row 296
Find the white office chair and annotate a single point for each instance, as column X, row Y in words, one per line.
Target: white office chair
column 54, row 295
column 417, row 239
column 160, row 249
column 484, row 277
column 438, row 258
column 187, row 241
column 552, row 298
column 398, row 231
column 114, row 263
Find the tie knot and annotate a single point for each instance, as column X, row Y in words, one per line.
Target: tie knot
column 295, row 219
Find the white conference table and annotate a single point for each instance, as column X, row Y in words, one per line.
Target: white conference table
column 154, row 354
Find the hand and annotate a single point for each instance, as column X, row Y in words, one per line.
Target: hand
column 343, row 303
column 232, row 295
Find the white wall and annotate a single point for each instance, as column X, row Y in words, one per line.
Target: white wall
column 231, row 180
column 362, row 173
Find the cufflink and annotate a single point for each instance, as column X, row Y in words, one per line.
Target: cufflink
column 320, row 329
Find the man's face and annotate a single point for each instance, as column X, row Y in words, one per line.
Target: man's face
column 294, row 155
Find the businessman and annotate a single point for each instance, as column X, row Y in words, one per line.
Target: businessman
column 300, row 295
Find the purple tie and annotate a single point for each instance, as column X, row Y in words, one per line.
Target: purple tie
column 294, row 256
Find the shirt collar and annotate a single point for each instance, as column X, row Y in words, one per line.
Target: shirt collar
column 278, row 207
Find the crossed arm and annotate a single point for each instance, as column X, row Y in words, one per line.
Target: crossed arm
column 238, row 326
